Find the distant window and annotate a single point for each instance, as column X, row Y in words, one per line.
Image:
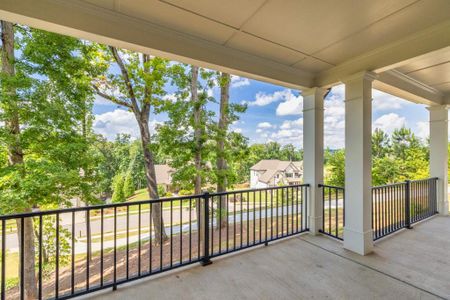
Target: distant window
column 289, row 175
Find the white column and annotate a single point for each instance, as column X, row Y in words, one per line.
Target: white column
column 358, row 163
column 313, row 153
column 439, row 153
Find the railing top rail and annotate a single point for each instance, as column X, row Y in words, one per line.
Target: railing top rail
column 403, row 183
column 425, row 179
column 331, row 186
column 133, row 203
column 388, row 185
column 260, row 189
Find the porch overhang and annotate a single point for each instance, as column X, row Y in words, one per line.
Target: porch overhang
column 300, row 48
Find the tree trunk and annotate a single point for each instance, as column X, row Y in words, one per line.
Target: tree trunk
column 29, row 277
column 221, row 136
column 152, row 186
column 198, row 141
column 15, row 158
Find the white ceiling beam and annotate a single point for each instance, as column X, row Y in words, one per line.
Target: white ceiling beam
column 83, row 20
column 390, row 56
column 398, row 84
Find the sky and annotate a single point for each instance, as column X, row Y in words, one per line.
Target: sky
column 275, row 114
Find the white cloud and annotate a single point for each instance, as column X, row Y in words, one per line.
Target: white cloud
column 389, row 122
column 334, row 118
column 171, row 97
column 210, row 92
column 98, row 100
column 237, row 130
column 264, row 125
column 263, row 99
column 237, row 81
column 292, row 105
column 423, row 129
column 383, row 101
column 111, row 123
column 292, row 124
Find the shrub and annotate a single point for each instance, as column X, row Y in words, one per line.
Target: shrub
column 118, row 192
column 128, row 186
column 185, row 192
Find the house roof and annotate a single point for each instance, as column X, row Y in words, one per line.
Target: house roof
column 273, row 166
column 267, row 176
column 163, row 174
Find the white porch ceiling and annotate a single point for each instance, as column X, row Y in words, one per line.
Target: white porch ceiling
column 296, row 43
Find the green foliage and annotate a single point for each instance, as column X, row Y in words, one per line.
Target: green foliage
column 118, row 195
column 49, row 242
column 161, row 190
column 336, row 165
column 128, row 186
column 185, row 192
column 178, row 132
column 52, row 103
column 395, row 158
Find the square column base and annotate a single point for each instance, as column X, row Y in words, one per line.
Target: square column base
column 443, row 208
column 315, row 225
column 358, row 242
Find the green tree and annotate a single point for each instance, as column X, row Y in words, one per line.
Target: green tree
column 44, row 105
column 128, row 185
column 336, row 165
column 118, row 195
column 138, row 86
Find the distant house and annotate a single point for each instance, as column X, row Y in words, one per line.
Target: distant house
column 273, row 172
column 164, row 176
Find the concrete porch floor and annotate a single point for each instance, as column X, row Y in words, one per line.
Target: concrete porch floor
column 412, row 264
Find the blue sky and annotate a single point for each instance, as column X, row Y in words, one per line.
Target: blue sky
column 275, row 114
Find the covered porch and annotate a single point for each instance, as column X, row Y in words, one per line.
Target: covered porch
column 399, row 47
column 412, row 264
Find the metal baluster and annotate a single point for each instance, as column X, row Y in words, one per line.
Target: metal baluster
column 88, row 246
column 150, row 243
column 3, row 289
column 102, row 221
column 115, row 250
column 139, row 239
column 206, row 259
column 128, row 244
column 40, row 257
column 171, row 231
column 73, row 256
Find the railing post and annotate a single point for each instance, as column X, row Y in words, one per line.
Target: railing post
column 408, row 204
column 206, row 258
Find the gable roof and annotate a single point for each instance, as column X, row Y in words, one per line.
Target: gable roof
column 272, row 166
column 163, row 174
column 275, row 164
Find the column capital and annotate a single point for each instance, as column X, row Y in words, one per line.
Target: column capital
column 438, row 113
column 313, row 91
column 363, row 75
column 438, row 107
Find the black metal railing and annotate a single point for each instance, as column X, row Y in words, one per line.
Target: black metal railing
column 388, row 209
column 423, row 199
column 397, row 206
column 333, row 215
column 75, row 251
column 248, row 218
column 394, row 207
